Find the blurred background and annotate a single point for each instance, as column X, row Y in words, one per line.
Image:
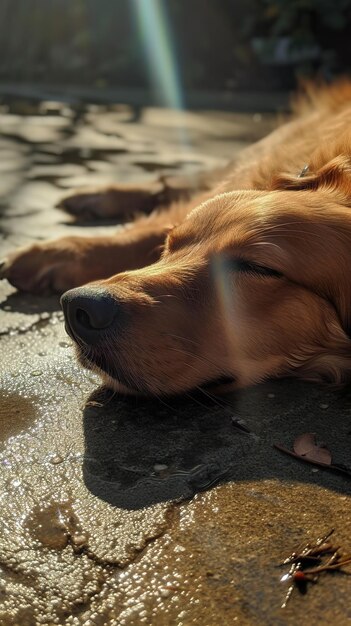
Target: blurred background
column 180, row 53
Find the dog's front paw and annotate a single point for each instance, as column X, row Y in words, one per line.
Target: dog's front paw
column 48, row 267
column 86, row 205
column 114, row 202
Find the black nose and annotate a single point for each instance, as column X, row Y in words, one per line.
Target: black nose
column 89, row 311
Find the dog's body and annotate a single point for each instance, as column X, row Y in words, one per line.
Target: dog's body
column 248, row 280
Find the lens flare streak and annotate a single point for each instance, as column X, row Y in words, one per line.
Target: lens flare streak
column 156, row 36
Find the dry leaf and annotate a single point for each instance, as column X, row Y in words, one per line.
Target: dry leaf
column 305, row 446
column 306, row 449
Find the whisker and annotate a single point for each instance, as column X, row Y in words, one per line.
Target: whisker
column 290, row 231
column 198, row 357
column 187, row 394
column 221, row 403
column 162, row 401
column 265, row 243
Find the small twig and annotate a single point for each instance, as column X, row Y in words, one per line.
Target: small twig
column 293, row 570
column 320, row 547
column 326, row 557
column 326, row 567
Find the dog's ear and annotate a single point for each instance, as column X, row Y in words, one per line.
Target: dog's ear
column 315, row 252
column 327, row 265
column 326, row 246
column 340, row 294
column 334, row 177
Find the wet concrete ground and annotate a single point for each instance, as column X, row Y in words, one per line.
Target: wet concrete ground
column 127, row 512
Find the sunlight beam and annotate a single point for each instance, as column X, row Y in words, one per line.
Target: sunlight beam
column 156, row 36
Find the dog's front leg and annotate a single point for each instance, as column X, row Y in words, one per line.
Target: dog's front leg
column 61, row 264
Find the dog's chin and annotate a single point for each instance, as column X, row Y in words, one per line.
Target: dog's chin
column 119, row 387
column 120, row 382
column 117, row 382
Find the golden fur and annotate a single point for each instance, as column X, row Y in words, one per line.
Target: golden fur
column 250, row 280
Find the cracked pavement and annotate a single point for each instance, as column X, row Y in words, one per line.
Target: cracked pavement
column 128, row 512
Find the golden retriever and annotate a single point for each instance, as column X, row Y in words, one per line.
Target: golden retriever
column 250, row 280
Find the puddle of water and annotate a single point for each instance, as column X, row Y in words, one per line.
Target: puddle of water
column 218, row 564
column 58, row 542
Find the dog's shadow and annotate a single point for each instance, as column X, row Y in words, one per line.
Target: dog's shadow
column 139, row 452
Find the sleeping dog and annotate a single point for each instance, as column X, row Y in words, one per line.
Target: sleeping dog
column 247, row 280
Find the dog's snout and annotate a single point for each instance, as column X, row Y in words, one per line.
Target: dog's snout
column 89, row 312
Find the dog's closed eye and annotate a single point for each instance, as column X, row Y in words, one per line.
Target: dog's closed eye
column 244, row 266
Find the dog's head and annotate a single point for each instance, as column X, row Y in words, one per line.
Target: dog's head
column 251, row 285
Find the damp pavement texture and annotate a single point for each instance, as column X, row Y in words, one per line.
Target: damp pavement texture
column 128, row 512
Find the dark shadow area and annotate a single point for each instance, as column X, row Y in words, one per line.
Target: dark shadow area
column 140, row 451
column 28, row 304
